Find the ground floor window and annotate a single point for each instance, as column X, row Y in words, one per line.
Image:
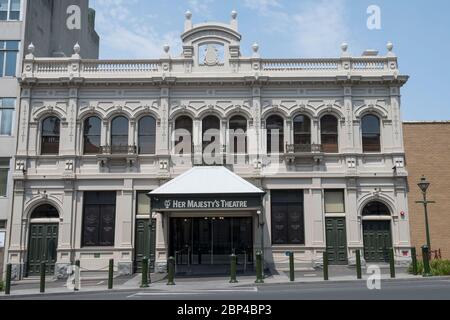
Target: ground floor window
column 334, row 201
column 99, row 219
column 288, row 226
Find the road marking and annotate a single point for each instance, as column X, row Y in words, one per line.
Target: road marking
column 193, row 292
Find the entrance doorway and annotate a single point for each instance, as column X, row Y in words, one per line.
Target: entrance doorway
column 43, row 240
column 211, row 241
column 336, row 241
column 377, row 240
column 145, row 245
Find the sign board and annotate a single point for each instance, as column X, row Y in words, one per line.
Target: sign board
column 206, row 203
column 2, row 239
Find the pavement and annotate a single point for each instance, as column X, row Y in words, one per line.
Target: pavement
column 308, row 284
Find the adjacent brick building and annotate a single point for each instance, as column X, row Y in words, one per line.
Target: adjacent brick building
column 427, row 147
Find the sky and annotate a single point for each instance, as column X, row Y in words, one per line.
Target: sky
column 419, row 29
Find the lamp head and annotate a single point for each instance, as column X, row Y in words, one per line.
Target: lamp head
column 423, row 184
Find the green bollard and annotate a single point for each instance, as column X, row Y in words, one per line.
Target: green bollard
column 77, row 275
column 42, row 282
column 426, row 262
column 8, row 279
column 414, row 261
column 392, row 263
column 358, row 265
column 171, row 271
column 259, row 268
column 111, row 274
column 144, row 283
column 233, row 269
column 325, row 266
column 291, row 267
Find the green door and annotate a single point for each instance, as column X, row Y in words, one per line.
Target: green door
column 42, row 247
column 145, row 244
column 377, row 240
column 336, row 241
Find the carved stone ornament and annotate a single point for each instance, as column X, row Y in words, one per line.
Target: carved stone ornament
column 211, row 55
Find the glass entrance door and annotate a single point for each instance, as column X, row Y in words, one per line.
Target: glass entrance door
column 211, row 241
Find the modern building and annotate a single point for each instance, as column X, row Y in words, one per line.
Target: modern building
column 44, row 23
column 314, row 150
column 427, row 153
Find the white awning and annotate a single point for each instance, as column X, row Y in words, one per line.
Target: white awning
column 208, row 181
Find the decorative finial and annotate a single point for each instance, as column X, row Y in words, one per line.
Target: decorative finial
column 234, row 14
column 31, row 48
column 255, row 47
column 77, row 48
column 166, row 48
column 390, row 46
column 344, row 46
column 188, row 15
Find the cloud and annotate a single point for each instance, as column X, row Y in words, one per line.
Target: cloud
column 201, row 7
column 126, row 34
column 263, row 6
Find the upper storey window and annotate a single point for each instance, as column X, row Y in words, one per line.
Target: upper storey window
column 8, row 58
column 238, row 135
column 119, row 135
column 302, row 131
column 275, row 134
column 92, row 135
column 371, row 134
column 329, row 134
column 9, row 10
column 50, row 136
column 147, row 135
column 183, row 135
column 210, row 131
column 7, row 106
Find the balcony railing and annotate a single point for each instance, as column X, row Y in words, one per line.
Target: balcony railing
column 303, row 148
column 118, row 150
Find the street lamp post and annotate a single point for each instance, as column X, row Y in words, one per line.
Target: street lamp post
column 424, row 185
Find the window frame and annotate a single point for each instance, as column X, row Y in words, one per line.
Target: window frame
column 235, row 136
column 13, row 108
column 342, row 191
column 281, row 135
column 42, row 153
column 92, row 135
column 117, row 149
column 335, row 147
column 302, row 134
column 6, row 168
column 141, row 136
column 9, row 11
column 365, row 134
column 5, row 52
column 190, row 130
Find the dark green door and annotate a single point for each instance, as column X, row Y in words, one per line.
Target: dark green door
column 145, row 244
column 336, row 241
column 42, row 248
column 377, row 240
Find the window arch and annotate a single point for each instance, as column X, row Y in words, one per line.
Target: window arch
column 92, row 131
column 183, row 127
column 210, row 131
column 119, row 135
column 275, row 131
column 51, row 130
column 371, row 133
column 238, row 134
column 376, row 208
column 329, row 134
column 147, row 135
column 302, row 133
column 45, row 211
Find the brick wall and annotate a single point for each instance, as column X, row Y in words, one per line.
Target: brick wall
column 427, row 147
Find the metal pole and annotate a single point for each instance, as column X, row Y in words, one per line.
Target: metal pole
column 358, row 264
column 42, row 282
column 392, row 263
column 144, row 283
column 259, row 271
column 291, row 267
column 233, row 269
column 414, row 261
column 325, row 266
column 171, row 275
column 8, row 279
column 111, row 274
column 427, row 226
column 426, row 262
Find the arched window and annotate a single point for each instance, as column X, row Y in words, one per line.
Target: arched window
column 50, row 136
column 92, row 135
column 119, row 135
column 376, row 208
column 210, row 131
column 45, row 211
column 147, row 135
column 183, row 135
column 371, row 134
column 238, row 134
column 302, row 134
column 275, row 134
column 329, row 134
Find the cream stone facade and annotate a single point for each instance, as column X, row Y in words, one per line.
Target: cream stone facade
column 212, row 78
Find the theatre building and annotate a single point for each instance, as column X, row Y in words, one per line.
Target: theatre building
column 307, row 156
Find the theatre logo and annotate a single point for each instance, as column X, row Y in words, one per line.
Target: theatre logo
column 197, row 204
